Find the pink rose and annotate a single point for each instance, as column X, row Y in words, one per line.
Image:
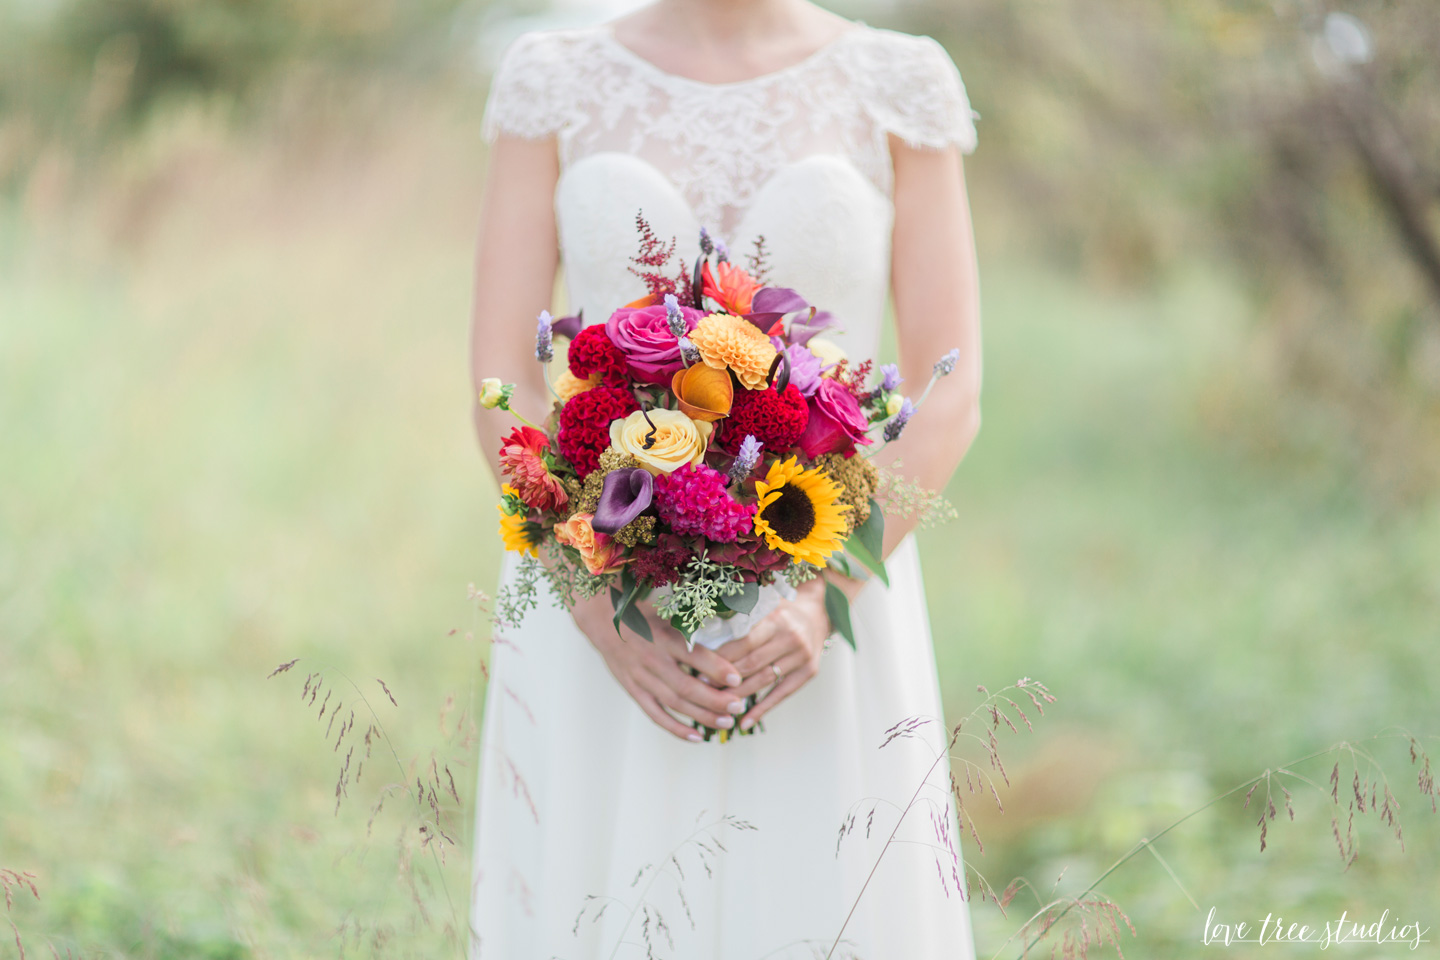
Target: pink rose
column 836, row 423
column 600, row 552
column 643, row 335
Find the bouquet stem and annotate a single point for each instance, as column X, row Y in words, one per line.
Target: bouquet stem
column 709, row 733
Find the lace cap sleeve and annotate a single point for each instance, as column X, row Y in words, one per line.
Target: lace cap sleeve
column 920, row 96
column 525, row 98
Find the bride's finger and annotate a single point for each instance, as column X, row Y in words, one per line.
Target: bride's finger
column 760, row 673
column 662, row 718
column 720, row 671
column 666, row 689
column 759, row 635
column 789, row 683
column 711, row 706
column 786, row 660
column 780, row 641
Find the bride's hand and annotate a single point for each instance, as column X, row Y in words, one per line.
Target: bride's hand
column 783, row 649
column 652, row 673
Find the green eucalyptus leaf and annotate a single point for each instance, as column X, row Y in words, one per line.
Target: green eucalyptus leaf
column 866, row 544
column 623, row 601
column 635, row 620
column 744, row 601
column 837, row 608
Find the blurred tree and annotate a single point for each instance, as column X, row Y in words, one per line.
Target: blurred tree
column 1297, row 142
column 118, row 58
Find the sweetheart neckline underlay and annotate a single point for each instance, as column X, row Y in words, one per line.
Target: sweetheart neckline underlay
column 679, row 195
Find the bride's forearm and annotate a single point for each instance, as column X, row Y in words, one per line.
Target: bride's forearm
column 515, row 263
column 936, row 288
column 931, row 448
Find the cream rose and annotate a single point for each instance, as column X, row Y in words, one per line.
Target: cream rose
column 678, row 440
column 828, row 351
column 492, row 393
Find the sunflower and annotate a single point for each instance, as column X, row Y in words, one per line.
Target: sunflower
column 516, row 532
column 800, row 512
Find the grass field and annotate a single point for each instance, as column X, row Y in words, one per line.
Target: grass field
column 234, row 431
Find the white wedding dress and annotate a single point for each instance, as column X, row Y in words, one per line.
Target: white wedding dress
column 583, row 802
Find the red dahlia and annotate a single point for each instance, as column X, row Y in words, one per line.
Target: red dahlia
column 592, row 352
column 775, row 419
column 585, row 424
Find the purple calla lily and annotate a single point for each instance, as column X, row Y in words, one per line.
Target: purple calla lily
column 771, row 303
column 627, row 494
column 801, row 330
column 568, row 327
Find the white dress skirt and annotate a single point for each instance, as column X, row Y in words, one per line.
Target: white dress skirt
column 600, row 835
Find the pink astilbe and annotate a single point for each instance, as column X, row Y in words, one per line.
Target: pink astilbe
column 694, row 502
column 522, row 460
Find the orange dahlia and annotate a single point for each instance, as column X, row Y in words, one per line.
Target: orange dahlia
column 726, row 341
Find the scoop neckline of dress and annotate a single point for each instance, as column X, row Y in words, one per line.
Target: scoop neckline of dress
column 607, row 33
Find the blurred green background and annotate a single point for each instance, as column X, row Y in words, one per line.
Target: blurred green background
column 234, row 282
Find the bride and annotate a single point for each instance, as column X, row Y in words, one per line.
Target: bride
column 604, row 828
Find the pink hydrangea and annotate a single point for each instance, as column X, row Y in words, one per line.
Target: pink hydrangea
column 693, row 501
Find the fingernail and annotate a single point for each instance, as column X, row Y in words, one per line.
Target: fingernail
column 724, row 723
column 747, row 723
column 737, row 708
column 733, row 679
column 695, row 738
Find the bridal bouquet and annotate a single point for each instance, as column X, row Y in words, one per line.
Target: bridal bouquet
column 706, row 450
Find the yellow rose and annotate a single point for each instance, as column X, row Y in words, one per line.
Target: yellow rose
column 492, row 392
column 677, row 439
column 828, row 351
column 892, row 406
column 568, row 386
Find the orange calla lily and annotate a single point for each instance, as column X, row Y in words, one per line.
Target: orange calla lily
column 705, row 393
column 649, row 300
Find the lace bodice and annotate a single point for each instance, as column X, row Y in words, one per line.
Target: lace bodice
column 720, row 142
column 800, row 156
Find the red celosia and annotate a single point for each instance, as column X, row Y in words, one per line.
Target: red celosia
column 585, row 424
column 693, row 501
column 775, row 419
column 592, row 352
column 522, row 460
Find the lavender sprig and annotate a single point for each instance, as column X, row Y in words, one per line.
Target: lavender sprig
column 891, row 378
column 544, row 337
column 745, row 458
column 673, row 315
column 897, row 423
column 946, row 364
column 689, row 353
column 943, row 368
